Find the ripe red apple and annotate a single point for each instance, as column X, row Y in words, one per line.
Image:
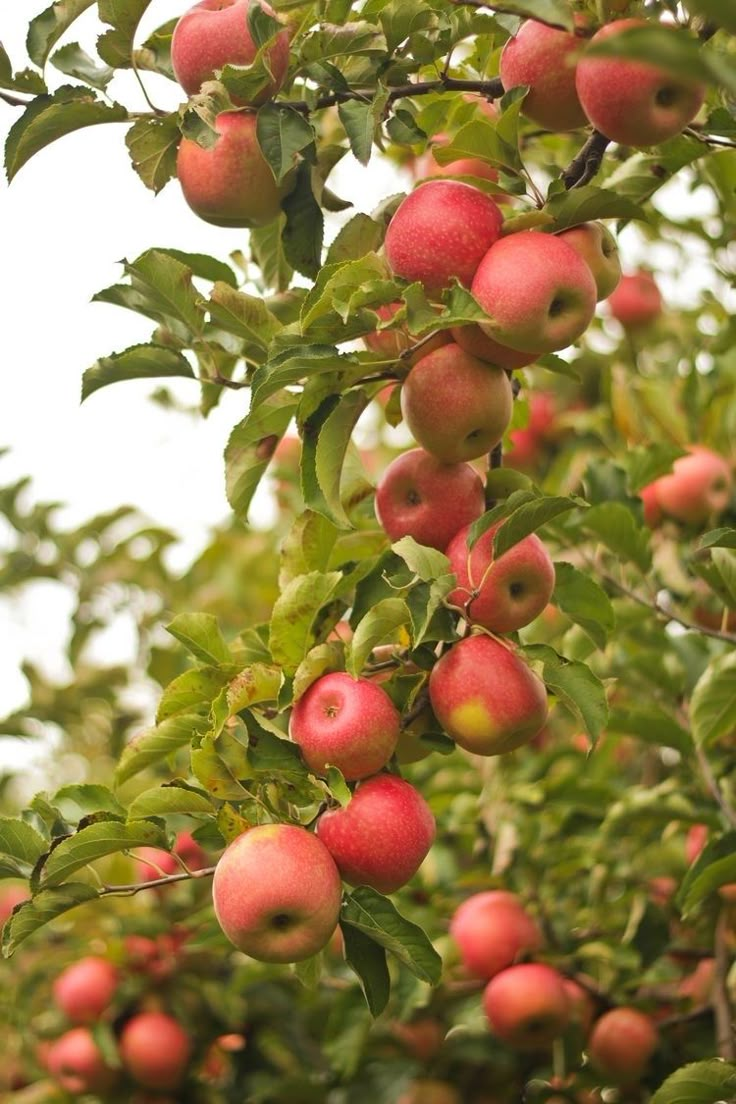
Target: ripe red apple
column 152, row 862
column 456, row 406
column 544, row 58
column 442, row 229
column 427, row 1090
column 85, row 989
column 473, row 340
column 486, row 698
column 581, row 1004
column 423, row 1037
column 14, row 895
column 230, row 184
column 426, row 165
column 634, row 102
column 493, row 930
column 597, row 246
column 214, row 34
column 698, row 488
column 698, row 985
column 527, row 1006
column 155, row 1050
column 420, row 497
column 264, row 903
column 347, row 723
column 650, row 502
column 636, row 302
column 621, row 1043
column 695, row 841
column 75, row 1061
column 502, row 595
column 392, row 343
column 526, row 450
column 381, row 837
column 538, row 291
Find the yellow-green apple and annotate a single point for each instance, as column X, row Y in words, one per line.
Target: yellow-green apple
column 539, row 293
column 382, row 836
column 392, row 343
column 153, row 863
column 621, row 1044
column 698, row 488
column 423, row 1037
column 75, row 1061
column 15, row 895
column 493, row 930
column 695, row 841
column 486, row 698
column 440, row 231
column 473, row 340
column 581, row 1004
column 420, row 497
column 527, row 1006
column 456, row 406
column 214, row 34
column 427, row 1090
column 544, row 59
column 155, row 1050
column 85, row 989
column 595, row 243
column 231, row 183
column 347, row 723
column 503, row 594
column 263, row 902
column 636, row 302
column 426, row 166
column 632, row 102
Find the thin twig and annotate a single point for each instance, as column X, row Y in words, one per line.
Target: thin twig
column 685, row 1017
column 14, row 101
column 721, row 1004
column 583, row 168
column 168, row 879
column 668, row 614
column 491, row 89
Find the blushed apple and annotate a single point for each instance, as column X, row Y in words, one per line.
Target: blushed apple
column 699, row 487
column 621, row 1044
column 155, row 1050
column 493, row 930
column 473, row 340
column 85, row 989
column 392, row 343
column 527, row 1006
column 14, row 895
column 636, row 302
column 76, row 1062
column 153, row 863
column 598, row 248
column 544, row 58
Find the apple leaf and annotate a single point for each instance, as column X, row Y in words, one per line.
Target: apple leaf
column 359, row 236
column 303, row 233
column 715, row 866
column 95, row 841
column 724, row 561
column 166, row 282
column 586, row 204
column 155, row 53
column 116, row 46
column 45, row 906
column 318, row 661
column 648, row 462
column 192, row 691
column 614, row 525
column 653, row 725
column 247, row 316
column 556, row 13
column 427, row 563
column 709, row 1082
column 379, row 625
column 283, row 133
column 200, row 634
column 584, row 601
column 530, row 516
column 28, row 80
column 713, row 701
column 75, row 62
column 267, row 250
column 20, row 848
column 45, row 30
column 574, row 684
column 157, row 743
column 718, row 538
column 81, row 799
column 251, row 446
column 137, row 362
column 368, row 959
column 294, row 615
column 378, row 918
column 152, row 145
column 172, row 797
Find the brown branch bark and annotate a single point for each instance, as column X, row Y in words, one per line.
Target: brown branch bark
column 492, row 90
column 584, row 167
column 168, row 879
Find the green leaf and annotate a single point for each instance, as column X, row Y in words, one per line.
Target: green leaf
column 346, row 40
column 377, row 917
column 359, row 236
column 557, row 13
column 45, row 906
column 172, row 797
column 710, row 1082
column 304, row 231
column 715, row 866
column 529, row 517
column 318, row 661
column 575, row 685
column 720, row 12
column 334, row 439
column 152, row 145
column 28, row 80
column 643, row 174
column 368, row 960
column 295, row 364
column 724, row 560
column 481, row 138
column 267, row 250
column 85, row 798
column 427, row 563
column 614, row 525
column 116, row 46
column 244, row 315
column 652, row 724
column 76, row 62
column 167, row 284
column 193, row 690
column 282, row 134
column 20, row 847
column 154, row 744
column 251, row 445
column 359, row 121
column 106, row 837
column 718, row 538
column 584, row 601
column 577, row 205
column 376, row 627
column 713, row 702
column 262, row 26
column 137, row 362
column 649, row 462
column 50, row 117
column 45, row 30
column 200, row 634
column 272, row 755
column 210, row 768
column 294, row 615
column 155, row 53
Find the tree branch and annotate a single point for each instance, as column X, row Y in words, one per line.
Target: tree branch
column 583, row 168
column 491, row 89
column 168, row 879
column 721, row 1005
column 669, row 615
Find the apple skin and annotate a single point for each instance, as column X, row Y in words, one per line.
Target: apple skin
column 493, row 930
column 527, row 1006
column 544, row 58
column 347, row 723
column 621, row 1043
column 486, row 698
column 420, row 497
column 230, row 184
column 695, row 841
column 598, row 248
column 392, row 343
column 697, row 987
column 214, row 34
column 155, row 1050
column 16, row 895
column 650, row 502
column 263, row 902
column 422, row 1037
column 632, row 102
column 699, row 487
column 382, row 836
column 538, row 291
column 526, row 451
column 149, row 858
column 85, row 989
column 581, row 1004
column 511, row 591
column 75, row 1061
column 473, row 340
column 456, row 406
column 442, row 229
column 636, row 302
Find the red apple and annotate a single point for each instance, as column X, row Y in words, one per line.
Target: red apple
column 598, row 248
column 493, row 930
column 503, row 594
column 526, row 450
column 473, row 340
column 636, row 302
column 650, row 502
column 420, row 497
column 544, row 58
column 76, row 1063
column 153, row 863
column 699, row 487
column 14, row 895
column 382, row 836
column 214, row 34
column 486, row 698
column 697, row 987
column 635, row 103
column 392, row 343
column 85, row 989
column 538, row 291
column 621, row 1043
column 581, row 1004
column 440, row 231
column 527, row 1006
column 423, row 1037
column 231, row 183
column 347, row 723
column 155, row 1050
column 264, row 903
column 456, row 406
